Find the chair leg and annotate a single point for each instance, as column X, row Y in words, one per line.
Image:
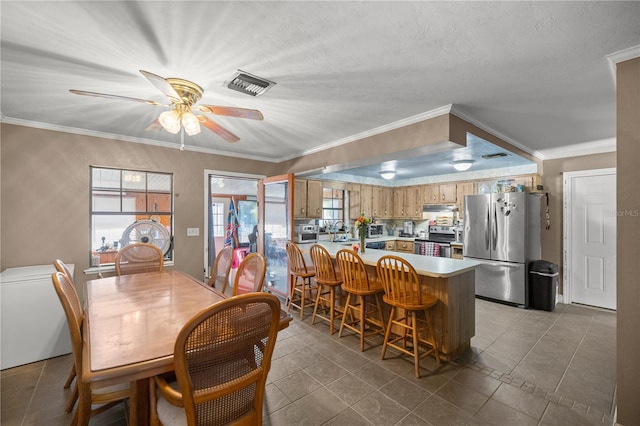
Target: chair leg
column 315, row 308
column 344, row 315
column 363, row 313
column 72, row 375
column 332, row 308
column 416, row 348
column 388, row 331
column 71, row 402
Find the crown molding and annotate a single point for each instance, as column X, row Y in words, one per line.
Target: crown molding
column 621, row 56
column 92, row 133
column 578, row 150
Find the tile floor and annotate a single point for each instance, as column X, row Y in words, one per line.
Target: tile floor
column 524, row 367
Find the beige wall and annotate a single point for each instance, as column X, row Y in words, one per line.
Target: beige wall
column 551, row 239
column 45, row 194
column 628, row 242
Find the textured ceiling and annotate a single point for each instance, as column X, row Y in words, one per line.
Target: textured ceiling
column 535, row 73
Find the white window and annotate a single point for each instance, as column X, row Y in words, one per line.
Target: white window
column 217, row 211
column 121, row 197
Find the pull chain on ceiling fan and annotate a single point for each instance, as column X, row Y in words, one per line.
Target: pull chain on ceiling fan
column 183, row 95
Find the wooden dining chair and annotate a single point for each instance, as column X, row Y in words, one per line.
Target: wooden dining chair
column 250, row 274
column 89, row 394
column 403, row 292
column 137, row 258
column 328, row 280
column 221, row 360
column 359, row 287
column 71, row 402
column 300, row 284
column 221, row 269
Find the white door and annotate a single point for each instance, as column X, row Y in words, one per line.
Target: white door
column 590, row 233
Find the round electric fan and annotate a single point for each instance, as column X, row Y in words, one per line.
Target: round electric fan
column 147, row 231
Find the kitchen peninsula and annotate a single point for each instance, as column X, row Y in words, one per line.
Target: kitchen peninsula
column 452, row 281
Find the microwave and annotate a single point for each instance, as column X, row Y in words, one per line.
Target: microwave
column 375, row 231
column 305, row 234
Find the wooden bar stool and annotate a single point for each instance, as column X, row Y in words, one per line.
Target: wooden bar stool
column 328, row 279
column 301, row 286
column 402, row 290
column 358, row 286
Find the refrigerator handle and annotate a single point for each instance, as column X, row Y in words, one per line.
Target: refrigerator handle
column 494, row 229
column 487, row 230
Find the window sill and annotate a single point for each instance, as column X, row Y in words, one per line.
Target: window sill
column 97, row 270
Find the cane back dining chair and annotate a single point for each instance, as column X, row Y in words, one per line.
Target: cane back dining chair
column 221, row 360
column 328, row 280
column 63, row 268
column 403, row 292
column 221, row 269
column 300, row 284
column 139, row 257
column 359, row 286
column 250, row 274
column 89, row 394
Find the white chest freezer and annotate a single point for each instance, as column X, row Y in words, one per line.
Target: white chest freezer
column 33, row 326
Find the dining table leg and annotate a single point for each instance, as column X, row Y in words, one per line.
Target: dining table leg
column 139, row 403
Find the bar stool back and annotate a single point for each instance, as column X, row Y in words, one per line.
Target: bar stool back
column 300, row 284
column 328, row 279
column 403, row 292
column 358, row 286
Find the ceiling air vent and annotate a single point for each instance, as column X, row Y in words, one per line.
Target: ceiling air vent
column 244, row 82
column 496, row 155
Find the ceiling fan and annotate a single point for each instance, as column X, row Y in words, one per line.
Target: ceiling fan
column 183, row 95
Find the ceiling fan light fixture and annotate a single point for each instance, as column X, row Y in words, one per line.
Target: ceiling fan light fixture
column 170, row 120
column 387, row 174
column 190, row 123
column 249, row 84
column 462, row 165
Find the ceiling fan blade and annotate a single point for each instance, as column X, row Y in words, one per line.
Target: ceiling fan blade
column 122, row 98
column 253, row 114
column 218, row 129
column 162, row 84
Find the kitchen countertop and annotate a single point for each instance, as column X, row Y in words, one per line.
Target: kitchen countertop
column 439, row 267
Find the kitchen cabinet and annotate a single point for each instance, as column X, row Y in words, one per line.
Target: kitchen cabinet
column 307, row 198
column 355, row 207
column 382, row 202
column 463, row 189
column 439, row 194
column 366, row 200
column 407, row 202
column 390, row 245
column 405, row 246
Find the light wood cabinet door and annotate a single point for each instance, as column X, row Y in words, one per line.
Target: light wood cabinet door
column 447, row 193
column 307, row 198
column 390, row 245
column 462, row 190
column 399, row 203
column 354, row 202
column 387, row 203
column 314, row 198
column 430, row 194
column 300, row 198
column 413, row 202
column 366, row 200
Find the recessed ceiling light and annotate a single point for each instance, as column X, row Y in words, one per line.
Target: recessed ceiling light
column 249, row 84
column 387, row 174
column 462, row 165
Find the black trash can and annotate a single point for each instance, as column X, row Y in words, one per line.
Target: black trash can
column 543, row 284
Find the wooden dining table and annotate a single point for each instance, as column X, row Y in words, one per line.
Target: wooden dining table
column 131, row 325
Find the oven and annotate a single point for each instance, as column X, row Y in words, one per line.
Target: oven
column 438, row 243
column 375, row 231
column 305, row 234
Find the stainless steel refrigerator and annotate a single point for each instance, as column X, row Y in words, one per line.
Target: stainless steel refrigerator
column 502, row 232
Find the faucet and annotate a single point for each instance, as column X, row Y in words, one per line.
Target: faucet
column 333, row 228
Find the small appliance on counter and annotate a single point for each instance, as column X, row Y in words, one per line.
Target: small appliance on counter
column 375, row 231
column 407, row 229
column 305, row 234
